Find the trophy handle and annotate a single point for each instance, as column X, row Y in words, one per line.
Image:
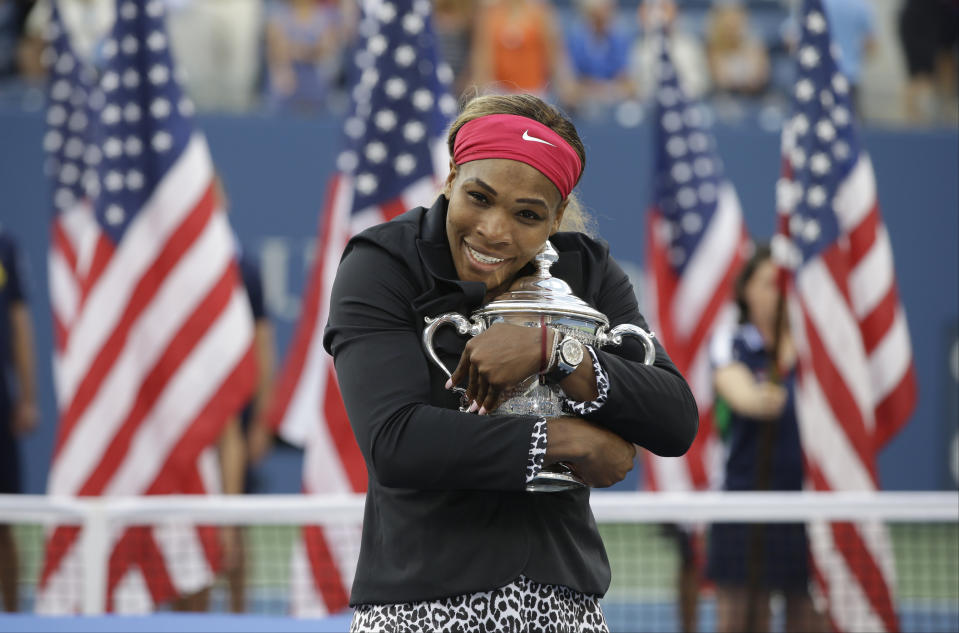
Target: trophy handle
column 557, row 477
column 462, row 326
column 615, row 337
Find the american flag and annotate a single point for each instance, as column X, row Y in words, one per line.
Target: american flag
column 152, row 325
column 696, row 240
column 856, row 380
column 394, row 158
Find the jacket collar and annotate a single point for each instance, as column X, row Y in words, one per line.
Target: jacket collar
column 433, row 245
column 448, row 291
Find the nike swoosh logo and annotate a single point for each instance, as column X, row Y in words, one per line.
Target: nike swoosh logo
column 527, row 137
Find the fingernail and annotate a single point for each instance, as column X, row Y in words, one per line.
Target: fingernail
column 449, row 383
column 474, row 406
column 482, row 411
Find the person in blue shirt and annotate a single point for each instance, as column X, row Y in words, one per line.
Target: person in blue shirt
column 852, row 24
column 18, row 404
column 599, row 45
column 753, row 367
column 247, row 438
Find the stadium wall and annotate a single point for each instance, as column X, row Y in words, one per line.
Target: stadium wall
column 275, row 172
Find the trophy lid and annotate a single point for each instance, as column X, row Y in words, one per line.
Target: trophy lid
column 541, row 293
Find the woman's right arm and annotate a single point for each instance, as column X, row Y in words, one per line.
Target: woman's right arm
column 746, row 396
column 600, row 457
column 384, row 378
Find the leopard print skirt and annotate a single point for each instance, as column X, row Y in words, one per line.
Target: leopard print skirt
column 523, row 606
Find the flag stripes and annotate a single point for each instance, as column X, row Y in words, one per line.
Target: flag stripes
column 392, row 160
column 154, row 333
column 695, row 247
column 856, row 383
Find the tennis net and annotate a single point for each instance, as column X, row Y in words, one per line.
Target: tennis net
column 655, row 542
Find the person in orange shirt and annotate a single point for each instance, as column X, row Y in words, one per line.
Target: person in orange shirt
column 518, row 48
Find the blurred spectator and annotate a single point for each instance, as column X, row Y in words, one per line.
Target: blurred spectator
column 738, row 61
column 599, row 45
column 231, row 457
column 18, row 404
column 217, row 45
column 754, row 377
column 257, row 436
column 518, row 48
column 13, row 16
column 852, row 24
column 248, row 439
column 245, row 440
column 929, row 31
column 453, row 22
column 684, row 49
column 87, row 21
column 231, row 451
column 689, row 576
column 304, row 44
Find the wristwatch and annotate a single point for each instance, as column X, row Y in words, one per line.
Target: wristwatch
column 570, row 354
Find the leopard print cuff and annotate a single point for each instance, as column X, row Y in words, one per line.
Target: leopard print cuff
column 537, row 450
column 602, row 387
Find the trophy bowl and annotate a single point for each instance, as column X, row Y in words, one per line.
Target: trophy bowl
column 540, row 300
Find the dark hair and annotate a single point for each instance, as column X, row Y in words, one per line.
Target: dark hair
column 761, row 253
column 531, row 107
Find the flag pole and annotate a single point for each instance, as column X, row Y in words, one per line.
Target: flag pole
column 756, row 554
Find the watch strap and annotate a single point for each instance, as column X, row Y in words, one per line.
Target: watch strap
column 561, row 369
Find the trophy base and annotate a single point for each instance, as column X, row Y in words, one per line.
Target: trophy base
column 558, row 479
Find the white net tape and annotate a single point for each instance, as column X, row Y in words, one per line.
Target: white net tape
column 918, row 530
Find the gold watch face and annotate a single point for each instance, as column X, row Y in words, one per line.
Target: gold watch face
column 572, row 351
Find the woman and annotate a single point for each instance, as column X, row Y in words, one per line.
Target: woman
column 754, row 378
column 599, row 44
column 518, row 48
column 450, row 537
column 303, row 43
column 738, row 60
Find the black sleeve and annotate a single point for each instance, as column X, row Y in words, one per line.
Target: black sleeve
column 384, row 378
column 649, row 405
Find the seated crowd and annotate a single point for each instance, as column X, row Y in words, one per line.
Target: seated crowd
column 289, row 56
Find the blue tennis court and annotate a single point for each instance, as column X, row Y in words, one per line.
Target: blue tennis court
column 623, row 617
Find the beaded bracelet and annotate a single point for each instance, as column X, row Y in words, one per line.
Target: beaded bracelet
column 557, row 339
column 542, row 346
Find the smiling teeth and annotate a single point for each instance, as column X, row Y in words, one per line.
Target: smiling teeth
column 483, row 259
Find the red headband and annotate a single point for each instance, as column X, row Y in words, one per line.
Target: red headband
column 519, row 138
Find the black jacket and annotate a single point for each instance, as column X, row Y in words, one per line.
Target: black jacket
column 446, row 511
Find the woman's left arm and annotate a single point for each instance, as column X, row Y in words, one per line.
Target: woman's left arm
column 649, row 405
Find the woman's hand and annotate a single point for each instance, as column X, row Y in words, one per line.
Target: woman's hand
column 769, row 401
column 746, row 396
column 597, row 455
column 497, row 360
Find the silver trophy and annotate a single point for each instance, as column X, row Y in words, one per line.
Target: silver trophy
column 540, row 300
